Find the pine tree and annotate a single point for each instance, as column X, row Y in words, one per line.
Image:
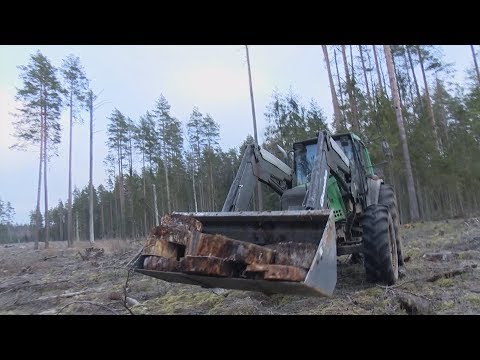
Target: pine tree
column 118, row 144
column 37, row 122
column 76, row 84
column 414, row 215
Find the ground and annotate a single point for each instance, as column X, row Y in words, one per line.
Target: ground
column 67, row 281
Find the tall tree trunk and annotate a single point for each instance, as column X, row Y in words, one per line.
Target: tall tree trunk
column 155, row 204
column 144, row 195
column 460, row 200
column 384, row 81
column 336, row 107
column 167, row 182
column 409, row 80
column 90, row 207
column 417, row 88
column 39, row 189
column 69, row 214
column 131, row 192
column 372, row 80
column 369, row 98
column 102, row 219
column 444, row 119
column 476, row 64
column 212, row 189
column 121, row 191
column 412, row 196
column 429, row 101
column 421, row 207
column 377, row 67
column 344, row 122
column 398, row 83
column 45, row 168
column 351, row 62
column 351, row 96
column 77, row 230
column 60, row 227
column 193, row 185
column 111, row 217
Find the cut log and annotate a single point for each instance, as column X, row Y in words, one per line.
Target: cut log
column 187, row 222
column 229, row 249
column 294, row 254
column 161, row 247
column 450, row 273
column 159, row 263
column 207, row 265
column 278, row 272
column 414, row 305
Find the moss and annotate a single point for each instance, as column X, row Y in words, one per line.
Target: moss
column 181, row 302
column 413, row 252
column 445, row 282
column 447, row 305
column 469, row 255
column 373, row 292
column 473, row 299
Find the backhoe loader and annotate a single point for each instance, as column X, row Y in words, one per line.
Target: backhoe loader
column 331, row 204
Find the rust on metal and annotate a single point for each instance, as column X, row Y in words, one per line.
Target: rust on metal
column 208, row 265
column 160, row 263
column 277, row 272
column 160, row 247
column 229, row 249
column 294, row 253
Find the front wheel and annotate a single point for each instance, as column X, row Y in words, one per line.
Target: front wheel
column 379, row 245
column 387, row 197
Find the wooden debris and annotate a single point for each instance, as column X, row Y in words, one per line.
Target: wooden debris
column 159, row 263
column 449, row 274
column 440, row 256
column 161, row 247
column 414, row 305
column 91, row 253
column 208, row 265
column 229, row 249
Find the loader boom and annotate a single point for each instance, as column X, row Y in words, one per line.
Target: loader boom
column 257, row 163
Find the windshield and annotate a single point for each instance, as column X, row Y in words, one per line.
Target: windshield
column 304, row 159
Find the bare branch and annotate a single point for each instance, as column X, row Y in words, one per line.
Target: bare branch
column 90, row 303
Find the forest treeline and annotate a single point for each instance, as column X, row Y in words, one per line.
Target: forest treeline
column 158, row 163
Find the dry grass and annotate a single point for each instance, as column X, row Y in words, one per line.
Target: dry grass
column 39, row 282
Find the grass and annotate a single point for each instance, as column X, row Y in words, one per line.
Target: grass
column 445, row 282
column 473, row 299
column 446, row 305
column 183, row 301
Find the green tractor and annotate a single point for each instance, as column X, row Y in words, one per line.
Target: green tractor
column 331, row 204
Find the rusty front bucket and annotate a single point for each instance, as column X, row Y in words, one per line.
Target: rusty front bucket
column 290, row 252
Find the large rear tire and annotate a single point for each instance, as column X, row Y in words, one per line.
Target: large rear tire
column 387, row 197
column 379, row 245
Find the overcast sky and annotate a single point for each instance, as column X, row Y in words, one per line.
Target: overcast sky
column 131, row 78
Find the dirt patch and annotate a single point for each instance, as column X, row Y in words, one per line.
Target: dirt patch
column 81, row 281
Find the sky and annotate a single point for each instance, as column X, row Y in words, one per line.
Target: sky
column 130, row 78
